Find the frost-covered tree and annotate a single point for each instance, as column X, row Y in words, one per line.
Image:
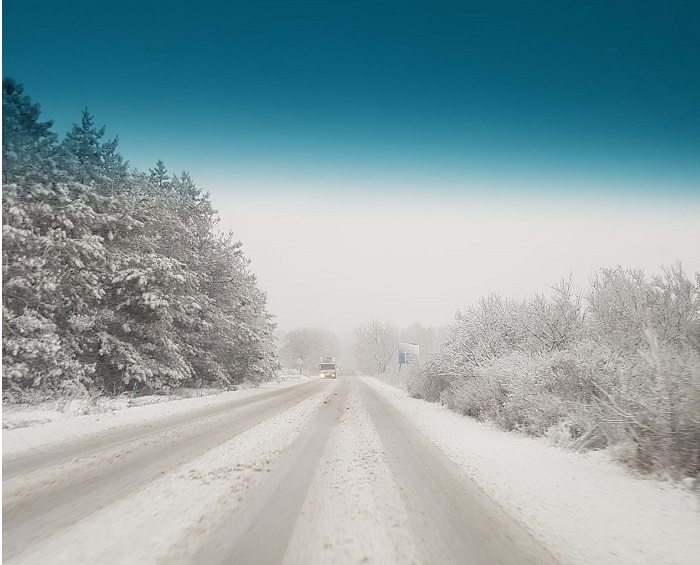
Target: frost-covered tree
column 621, row 367
column 28, row 144
column 555, row 321
column 479, row 334
column 308, row 345
column 92, row 161
column 617, row 306
column 159, row 174
column 115, row 168
column 675, row 301
column 114, row 280
column 52, row 260
column 375, row 345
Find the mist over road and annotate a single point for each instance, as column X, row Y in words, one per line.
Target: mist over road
column 322, row 472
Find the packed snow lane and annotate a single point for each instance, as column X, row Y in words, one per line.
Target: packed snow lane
column 335, row 472
column 27, row 448
column 47, row 491
column 360, row 485
column 452, row 517
column 583, row 507
column 323, row 472
column 258, row 531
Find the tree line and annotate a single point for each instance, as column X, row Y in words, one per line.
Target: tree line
column 373, row 349
column 114, row 279
column 615, row 366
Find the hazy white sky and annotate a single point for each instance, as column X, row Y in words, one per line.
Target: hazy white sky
column 336, row 261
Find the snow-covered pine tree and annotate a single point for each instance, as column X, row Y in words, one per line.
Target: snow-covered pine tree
column 115, row 280
column 28, row 144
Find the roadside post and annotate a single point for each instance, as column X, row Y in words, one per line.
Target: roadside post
column 408, row 353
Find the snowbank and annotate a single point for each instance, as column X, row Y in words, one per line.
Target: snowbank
column 583, row 506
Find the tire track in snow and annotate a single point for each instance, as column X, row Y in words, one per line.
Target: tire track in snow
column 145, row 525
column 21, row 462
column 354, row 512
column 43, row 502
column 259, row 529
column 447, row 509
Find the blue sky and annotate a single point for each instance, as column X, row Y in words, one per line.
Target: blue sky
column 524, row 96
column 397, row 159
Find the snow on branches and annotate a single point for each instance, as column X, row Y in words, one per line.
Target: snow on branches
column 617, row 366
column 115, row 280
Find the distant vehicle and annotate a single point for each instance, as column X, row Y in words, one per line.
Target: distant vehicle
column 328, row 368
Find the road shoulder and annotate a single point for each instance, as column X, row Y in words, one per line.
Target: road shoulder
column 583, row 508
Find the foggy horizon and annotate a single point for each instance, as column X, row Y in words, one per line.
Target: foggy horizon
column 387, row 261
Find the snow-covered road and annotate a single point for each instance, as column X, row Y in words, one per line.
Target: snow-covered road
column 346, row 471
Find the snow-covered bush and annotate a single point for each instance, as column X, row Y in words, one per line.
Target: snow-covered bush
column 621, row 369
column 421, row 382
column 513, row 391
column 654, row 405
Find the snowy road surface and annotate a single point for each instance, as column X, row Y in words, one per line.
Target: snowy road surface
column 320, row 472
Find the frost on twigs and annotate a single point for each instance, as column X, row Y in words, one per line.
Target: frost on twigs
column 617, row 367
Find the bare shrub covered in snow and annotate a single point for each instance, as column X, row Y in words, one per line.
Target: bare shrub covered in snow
column 420, row 383
column 476, row 336
column 376, row 353
column 620, row 367
column 654, row 405
column 511, row 391
column 307, row 345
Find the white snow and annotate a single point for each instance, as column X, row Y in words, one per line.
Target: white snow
column 145, row 526
column 584, row 507
column 29, row 428
column 353, row 512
